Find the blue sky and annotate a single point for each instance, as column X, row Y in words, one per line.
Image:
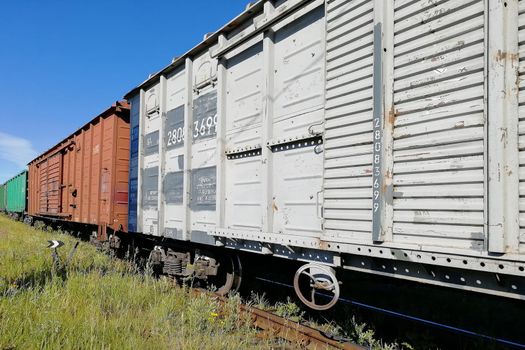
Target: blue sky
column 63, row 62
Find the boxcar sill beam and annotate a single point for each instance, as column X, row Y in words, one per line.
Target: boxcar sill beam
column 57, row 215
column 452, row 260
column 474, row 281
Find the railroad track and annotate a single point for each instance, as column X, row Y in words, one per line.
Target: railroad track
column 273, row 326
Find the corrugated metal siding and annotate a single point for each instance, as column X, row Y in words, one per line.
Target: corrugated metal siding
column 521, row 43
column 439, row 126
column 17, row 193
column 84, row 178
column 348, row 127
column 134, row 163
column 51, row 180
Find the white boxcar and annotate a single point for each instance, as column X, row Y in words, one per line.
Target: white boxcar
column 385, row 136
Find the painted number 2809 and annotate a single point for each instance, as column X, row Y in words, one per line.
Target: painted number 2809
column 175, row 136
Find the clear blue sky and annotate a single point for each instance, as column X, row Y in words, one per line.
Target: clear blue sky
column 63, row 62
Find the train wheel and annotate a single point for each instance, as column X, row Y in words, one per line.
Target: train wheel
column 28, row 220
column 229, row 275
column 312, row 278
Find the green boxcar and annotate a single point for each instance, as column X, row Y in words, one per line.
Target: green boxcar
column 3, row 197
column 17, row 193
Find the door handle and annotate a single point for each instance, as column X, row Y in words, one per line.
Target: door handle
column 318, row 205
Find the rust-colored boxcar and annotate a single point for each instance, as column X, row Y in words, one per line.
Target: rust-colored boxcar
column 84, row 178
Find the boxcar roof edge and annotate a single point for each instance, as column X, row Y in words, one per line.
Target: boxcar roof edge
column 116, row 107
column 179, row 60
column 12, row 177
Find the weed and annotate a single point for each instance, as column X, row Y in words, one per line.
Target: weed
column 289, row 310
column 259, row 301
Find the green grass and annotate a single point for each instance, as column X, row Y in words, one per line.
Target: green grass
column 100, row 303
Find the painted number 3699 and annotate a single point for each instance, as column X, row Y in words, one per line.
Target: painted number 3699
column 204, row 127
column 201, row 128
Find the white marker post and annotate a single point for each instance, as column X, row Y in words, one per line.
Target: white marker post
column 56, row 259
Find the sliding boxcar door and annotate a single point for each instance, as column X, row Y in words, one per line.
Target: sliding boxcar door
column 298, row 114
column 244, row 194
column 54, row 184
column 42, row 186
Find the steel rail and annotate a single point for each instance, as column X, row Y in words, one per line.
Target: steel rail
column 273, row 326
